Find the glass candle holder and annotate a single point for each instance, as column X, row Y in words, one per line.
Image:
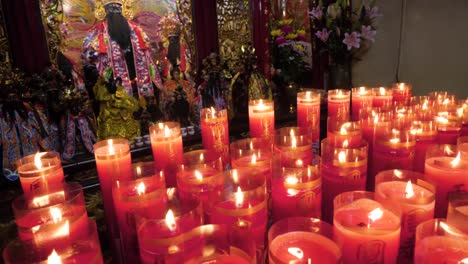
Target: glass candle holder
column 361, row 97
column 308, row 114
column 52, row 220
column 439, row 242
column 457, row 214
column 365, row 230
column 383, row 97
column 167, row 147
column 159, row 237
column 403, row 117
column 302, row 240
column 292, row 148
column 215, row 132
column 342, row 133
column 401, row 92
column 423, row 107
column 262, row 119
column 145, row 194
column 426, row 135
column 342, row 170
column 447, row 171
column 338, row 103
column 448, row 127
column 414, row 198
column 85, row 250
column 39, row 172
column 296, row 192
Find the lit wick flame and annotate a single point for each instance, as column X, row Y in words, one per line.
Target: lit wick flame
column 401, row 86
column 425, row 105
column 345, row 143
column 170, row 220
column 293, row 142
column 297, row 252
column 448, row 150
column 235, row 176
column 251, row 145
column 374, row 215
column 291, row 180
column 198, row 175
column 394, row 140
column 446, row 101
column 202, row 157
column 342, row 157
column 110, row 143
column 54, row 258
column 138, row 171
column 362, row 90
column 254, row 159
column 398, row 173
column 141, row 188
column 167, row 131
column 299, row 162
column 213, row 112
column 239, row 196
column 308, row 95
column 409, row 192
column 261, row 106
column 56, row 214
column 382, row 91
column 37, row 160
column 344, row 128
column 442, row 120
column 456, row 160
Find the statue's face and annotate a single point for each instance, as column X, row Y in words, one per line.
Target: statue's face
column 113, row 8
column 174, row 39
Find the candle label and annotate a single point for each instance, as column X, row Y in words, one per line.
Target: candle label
column 371, row 252
column 307, row 201
column 409, row 222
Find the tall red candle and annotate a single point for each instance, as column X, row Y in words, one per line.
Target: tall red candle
column 338, row 103
column 361, row 98
column 308, row 114
column 262, row 119
column 382, row 97
column 166, row 143
column 215, row 132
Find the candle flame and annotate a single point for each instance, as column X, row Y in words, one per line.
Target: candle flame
column 239, row 196
column 344, row 128
column 342, row 157
column 442, row 120
column 340, row 93
column 293, row 142
column 401, row 86
column 409, row 192
column 374, row 215
column 138, row 171
column 382, row 91
column 460, row 111
column 235, row 176
column 54, row 258
column 110, row 143
column 398, row 173
column 446, row 101
column 161, row 125
column 251, row 145
column 394, row 140
column 167, row 131
column 299, row 162
column 345, row 143
column 213, row 112
column 198, row 175
column 56, row 214
column 448, row 150
column 291, row 180
column 291, row 132
column 254, row 159
column 170, row 220
column 292, row 192
column 63, row 231
column 141, row 188
column 456, row 160
column 362, row 90
column 296, row 252
column 376, row 119
column 308, row 94
column 37, row 160
column 425, row 105
column 202, row 157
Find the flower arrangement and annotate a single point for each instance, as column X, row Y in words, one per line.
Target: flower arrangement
column 344, row 33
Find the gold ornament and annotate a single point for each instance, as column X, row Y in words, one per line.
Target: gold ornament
column 105, row 2
column 100, row 11
column 127, row 9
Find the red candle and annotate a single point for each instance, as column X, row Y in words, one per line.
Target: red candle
column 406, row 192
column 40, row 172
column 361, row 98
column 296, row 192
column 302, row 240
column 292, row 148
column 382, row 97
column 144, row 195
column 338, row 103
column 457, row 214
column 308, row 114
column 341, row 133
column 447, row 172
column 342, row 170
column 365, row 230
column 166, row 142
column 215, row 132
column 449, row 127
column 426, row 136
column 262, row 119
column 401, row 93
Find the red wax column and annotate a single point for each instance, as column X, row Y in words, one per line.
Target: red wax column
column 361, row 98
column 244, row 198
column 447, row 171
column 308, row 114
column 292, row 148
column 113, row 163
column 166, row 142
column 145, row 194
column 262, row 120
column 342, row 133
column 200, row 175
column 426, row 135
column 448, row 128
column 439, row 242
column 159, row 237
column 406, row 192
column 457, row 214
column 296, row 192
column 401, row 93
column 302, row 240
column 382, row 97
column 251, row 153
column 393, row 150
column 39, row 172
column 366, row 231
column 342, row 170
column 52, row 220
column 215, row 132
column 338, row 103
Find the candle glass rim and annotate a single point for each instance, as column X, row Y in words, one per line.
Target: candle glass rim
column 309, row 183
column 205, row 114
column 119, row 189
column 334, row 125
column 315, row 97
column 433, row 227
column 27, row 168
column 123, row 151
column 376, row 91
column 155, row 131
column 213, row 159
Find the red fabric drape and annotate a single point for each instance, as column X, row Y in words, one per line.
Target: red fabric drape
column 26, row 35
column 260, row 33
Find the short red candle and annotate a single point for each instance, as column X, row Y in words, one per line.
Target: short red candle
column 338, row 103
column 406, row 192
column 296, row 192
column 302, row 240
column 426, row 136
column 308, row 114
column 457, row 214
column 342, row 133
column 292, row 148
column 215, row 132
column 39, row 172
column 365, row 230
column 401, row 93
column 361, row 97
column 262, row 119
column 166, row 142
column 382, row 97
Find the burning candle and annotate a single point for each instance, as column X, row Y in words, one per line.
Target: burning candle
column 382, row 97
column 426, row 135
column 341, row 131
column 338, row 103
column 308, row 114
column 448, row 127
column 401, row 92
column 406, row 191
column 292, row 148
column 166, row 142
column 262, row 119
column 39, row 172
column 296, row 192
column 361, row 97
column 342, row 170
column 447, row 171
column 215, row 132
column 302, row 240
column 365, row 230
column 143, row 195
column 439, row 242
column 457, row 214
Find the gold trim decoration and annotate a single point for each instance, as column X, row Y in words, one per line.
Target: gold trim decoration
column 243, row 211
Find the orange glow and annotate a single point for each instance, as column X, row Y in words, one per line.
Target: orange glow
column 170, row 220
column 54, row 258
column 342, row 157
column 198, row 175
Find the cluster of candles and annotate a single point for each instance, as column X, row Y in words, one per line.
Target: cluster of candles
column 391, row 169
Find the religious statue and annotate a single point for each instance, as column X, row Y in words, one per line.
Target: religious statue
column 178, row 99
